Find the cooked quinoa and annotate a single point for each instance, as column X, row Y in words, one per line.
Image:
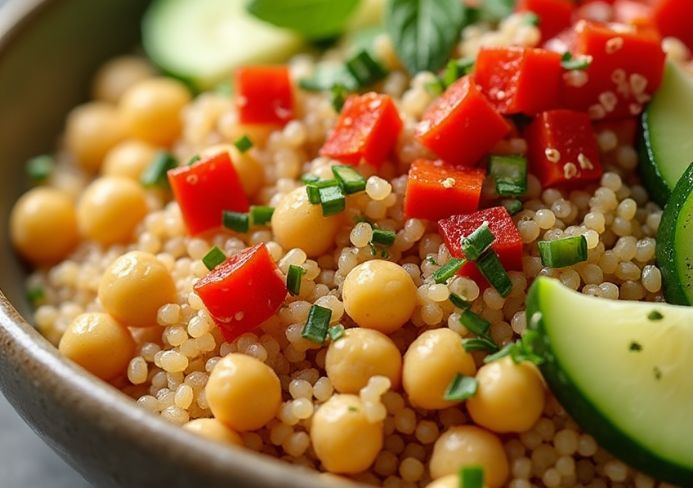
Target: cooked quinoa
column 171, row 363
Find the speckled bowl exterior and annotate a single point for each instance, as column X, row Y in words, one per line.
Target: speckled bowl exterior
column 48, row 50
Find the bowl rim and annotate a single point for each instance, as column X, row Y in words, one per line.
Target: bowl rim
column 21, row 344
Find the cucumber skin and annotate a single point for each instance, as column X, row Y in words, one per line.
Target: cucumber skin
column 666, row 248
column 587, row 415
column 652, row 178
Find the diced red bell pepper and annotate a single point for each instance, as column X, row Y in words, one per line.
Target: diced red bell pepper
column 626, row 68
column 508, row 243
column 243, row 291
column 673, row 19
column 554, row 15
column 436, row 190
column 562, row 148
column 367, row 129
column 264, row 95
column 205, row 189
column 461, row 126
column 519, row 79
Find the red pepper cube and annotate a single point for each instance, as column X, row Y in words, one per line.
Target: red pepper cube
column 243, row 291
column 519, row 79
column 673, row 19
column 264, row 95
column 562, row 148
column 554, row 15
column 626, row 68
column 461, row 126
column 436, row 190
column 508, row 243
column 205, row 189
column 367, row 129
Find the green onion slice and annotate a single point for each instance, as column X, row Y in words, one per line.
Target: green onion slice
column 260, row 214
column 448, row 270
column 236, row 221
column 214, row 258
column 457, row 68
column 317, row 325
column 513, row 206
column 461, row 388
column 459, row 302
column 40, row 168
column 474, row 324
column 471, row 476
column 194, row 159
column 490, row 266
column 365, row 69
column 156, row 173
column 313, row 189
column 293, row 279
column 338, row 96
column 349, row 179
column 563, row 252
column 509, row 173
column 384, row 237
column 332, row 200
column 479, row 344
column 243, row 144
column 336, row 332
column 476, row 243
column 309, row 178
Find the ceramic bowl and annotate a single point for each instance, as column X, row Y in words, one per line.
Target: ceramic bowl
column 48, row 50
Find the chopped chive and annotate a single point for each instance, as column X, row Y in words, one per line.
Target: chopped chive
column 317, row 324
column 214, row 258
column 655, row 315
column 460, row 388
column 479, row 344
column 309, row 178
column 36, row 294
column 490, row 266
column 260, row 214
column 332, row 200
column 459, row 302
column 513, row 206
column 563, row 252
column 40, row 168
column 338, row 96
column 509, row 173
column 448, row 270
column 336, row 332
column 293, row 279
column 237, row 221
column 474, row 324
column 457, row 68
column 365, row 69
column 243, row 143
column 384, row 237
column 156, row 173
column 349, row 179
column 435, row 87
column 474, row 245
column 520, row 350
column 471, row 476
column 569, row 62
column 502, row 352
column 194, row 159
column 313, row 189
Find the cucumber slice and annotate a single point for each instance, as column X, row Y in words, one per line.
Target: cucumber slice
column 674, row 238
column 202, row 41
column 622, row 370
column 666, row 145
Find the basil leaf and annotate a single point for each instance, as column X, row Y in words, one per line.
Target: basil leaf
column 314, row 19
column 424, row 31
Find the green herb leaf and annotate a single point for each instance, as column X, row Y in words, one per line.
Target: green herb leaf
column 336, row 332
column 314, row 19
column 448, row 270
column 293, row 279
column 214, row 258
column 155, row 174
column 423, row 31
column 317, row 324
column 243, row 143
column 471, row 476
column 461, row 388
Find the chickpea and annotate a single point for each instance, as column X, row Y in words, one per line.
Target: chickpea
column 134, row 287
column 360, row 354
column 128, row 158
column 214, row 430
column 110, row 208
column 510, row 397
column 298, row 223
column 243, row 392
column 43, row 225
column 465, row 445
column 117, row 75
column 343, row 438
column 430, row 364
column 379, row 295
column 248, row 168
column 151, row 110
column 91, row 131
column 447, row 481
column 98, row 343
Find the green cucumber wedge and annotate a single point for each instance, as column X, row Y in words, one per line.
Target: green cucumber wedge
column 666, row 143
column 202, row 41
column 623, row 371
column 675, row 242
